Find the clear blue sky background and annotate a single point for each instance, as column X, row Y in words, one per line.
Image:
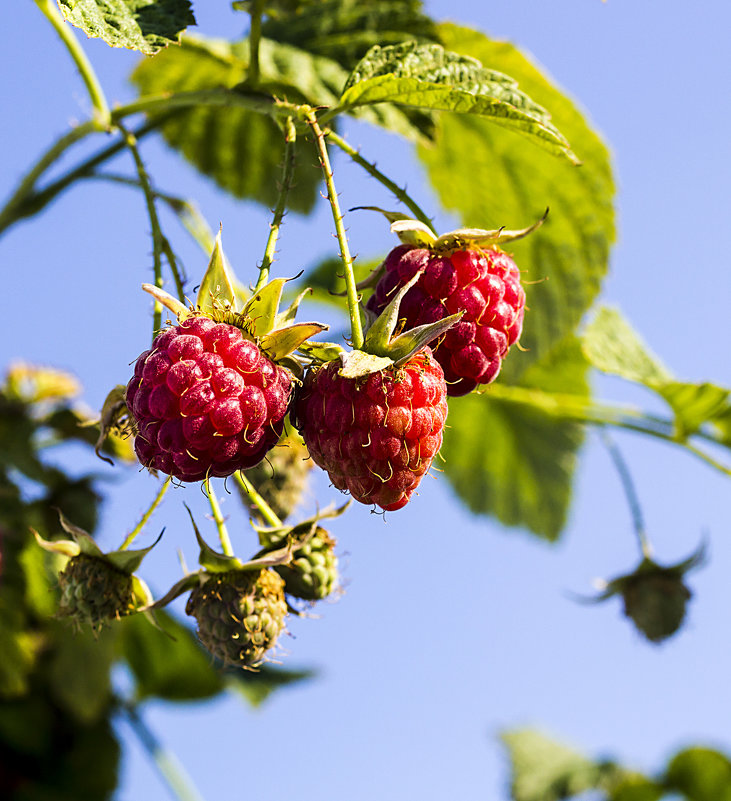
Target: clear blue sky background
column 452, row 628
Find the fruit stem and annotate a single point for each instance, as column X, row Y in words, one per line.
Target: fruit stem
column 290, row 138
column 65, row 32
column 146, row 516
column 159, row 243
column 267, row 512
column 630, row 491
column 372, row 170
column 252, row 79
column 167, row 764
column 351, row 291
column 218, row 519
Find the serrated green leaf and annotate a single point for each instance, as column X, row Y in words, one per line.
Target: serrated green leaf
column 168, row 664
column 257, row 686
column 544, row 770
column 144, row 25
column 345, row 30
column 700, row 774
column 79, row 672
column 241, row 150
column 428, row 76
column 524, row 476
column 493, row 178
column 611, row 345
column 217, row 287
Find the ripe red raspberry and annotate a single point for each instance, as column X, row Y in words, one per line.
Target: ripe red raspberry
column 207, row 402
column 376, row 436
column 484, row 284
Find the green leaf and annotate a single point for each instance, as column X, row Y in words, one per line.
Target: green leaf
column 257, row 686
column 701, row 774
column 523, row 476
column 240, row 150
column 144, row 25
column 491, row 178
column 168, row 664
column 79, row 672
column 428, row 76
column 345, row 30
column 544, row 770
column 635, row 787
column 612, row 345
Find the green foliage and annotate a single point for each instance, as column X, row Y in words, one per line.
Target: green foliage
column 544, row 770
column 525, row 476
column 257, row 686
column 700, row 774
column 493, row 178
column 611, row 345
column 344, row 30
column 144, row 25
column 168, row 663
column 428, row 76
column 240, row 149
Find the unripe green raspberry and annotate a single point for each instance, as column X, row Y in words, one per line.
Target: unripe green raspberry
column 240, row 614
column 281, row 477
column 656, row 603
column 313, row 572
column 94, row 592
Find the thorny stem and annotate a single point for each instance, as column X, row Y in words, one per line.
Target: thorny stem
column 172, row 772
column 254, row 39
column 372, row 170
column 157, row 236
column 96, row 93
column 146, row 516
column 266, row 511
column 218, row 519
column 351, row 291
column 290, row 137
column 629, row 491
column 186, row 211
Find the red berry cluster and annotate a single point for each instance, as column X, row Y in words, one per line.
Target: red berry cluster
column 206, row 401
column 484, row 284
column 375, row 436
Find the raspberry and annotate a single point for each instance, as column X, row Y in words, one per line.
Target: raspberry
column 483, row 284
column 206, row 401
column 94, row 592
column 313, row 572
column 240, row 614
column 376, row 436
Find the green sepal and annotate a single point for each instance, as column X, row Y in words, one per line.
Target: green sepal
column 378, row 339
column 209, row 559
column 321, row 351
column 408, row 230
column 289, row 314
column 263, row 305
column 114, row 417
column 61, row 547
column 217, row 292
column 283, row 341
column 357, row 363
column 476, row 236
column 301, row 532
column 268, row 558
column 417, row 338
column 180, row 310
column 129, row 561
column 141, row 593
column 188, row 582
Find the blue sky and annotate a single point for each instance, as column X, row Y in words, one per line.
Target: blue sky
column 451, row 628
